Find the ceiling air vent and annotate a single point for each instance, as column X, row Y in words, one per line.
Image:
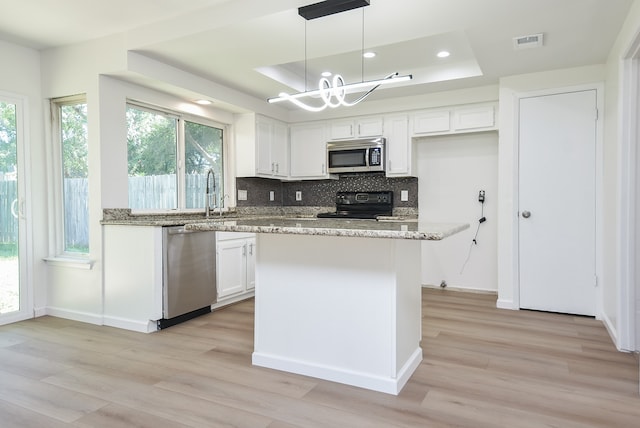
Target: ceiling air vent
column 527, row 42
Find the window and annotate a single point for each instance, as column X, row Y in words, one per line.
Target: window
column 70, row 119
column 159, row 143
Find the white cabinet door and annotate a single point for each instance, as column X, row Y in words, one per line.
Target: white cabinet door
column 264, row 134
column 466, row 119
column 271, row 148
column 356, row 128
column 430, row 122
column 369, row 127
column 280, row 150
column 399, row 155
column 232, row 267
column 251, row 264
column 342, row 129
column 308, row 151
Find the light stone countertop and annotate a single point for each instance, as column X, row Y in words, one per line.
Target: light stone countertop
column 394, row 229
column 299, row 222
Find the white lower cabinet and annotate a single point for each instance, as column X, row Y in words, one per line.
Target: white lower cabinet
column 236, row 254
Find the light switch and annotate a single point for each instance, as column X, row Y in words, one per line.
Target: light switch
column 242, row 195
column 272, row 195
column 298, row 195
column 404, row 195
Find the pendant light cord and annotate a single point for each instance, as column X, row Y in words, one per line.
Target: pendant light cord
column 305, row 56
column 362, row 53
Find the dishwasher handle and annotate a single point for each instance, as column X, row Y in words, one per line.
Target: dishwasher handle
column 180, row 230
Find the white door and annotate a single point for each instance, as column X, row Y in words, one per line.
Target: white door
column 14, row 297
column 557, row 161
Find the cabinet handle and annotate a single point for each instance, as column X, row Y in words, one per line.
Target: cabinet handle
column 277, row 167
column 244, row 250
column 323, row 169
column 251, row 249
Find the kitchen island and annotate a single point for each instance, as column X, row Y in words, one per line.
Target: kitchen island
column 338, row 299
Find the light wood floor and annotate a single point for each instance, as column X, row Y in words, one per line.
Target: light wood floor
column 482, row 367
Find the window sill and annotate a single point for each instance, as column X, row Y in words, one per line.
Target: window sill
column 69, row 262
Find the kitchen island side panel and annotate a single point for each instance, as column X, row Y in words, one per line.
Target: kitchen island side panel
column 330, row 307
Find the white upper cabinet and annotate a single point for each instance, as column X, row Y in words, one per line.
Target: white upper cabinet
column 472, row 118
column 271, row 148
column 430, row 122
column 399, row 146
column 452, row 120
column 308, row 147
column 356, row 128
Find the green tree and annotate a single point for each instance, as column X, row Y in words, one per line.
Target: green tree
column 8, row 142
column 74, row 137
column 151, row 142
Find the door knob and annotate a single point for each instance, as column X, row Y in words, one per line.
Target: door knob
column 526, row 214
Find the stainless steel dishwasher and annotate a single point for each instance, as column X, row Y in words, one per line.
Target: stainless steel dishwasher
column 189, row 274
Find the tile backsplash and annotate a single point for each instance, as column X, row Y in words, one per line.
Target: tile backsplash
column 321, row 193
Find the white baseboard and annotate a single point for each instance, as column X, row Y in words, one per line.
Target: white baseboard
column 39, row 312
column 374, row 382
column 468, row 290
column 611, row 329
column 73, row 315
column 133, row 325
column 506, row 304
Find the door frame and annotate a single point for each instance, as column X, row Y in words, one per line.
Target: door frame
column 515, row 223
column 25, row 246
column 629, row 197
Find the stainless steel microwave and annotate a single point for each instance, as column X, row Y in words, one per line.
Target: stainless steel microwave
column 365, row 155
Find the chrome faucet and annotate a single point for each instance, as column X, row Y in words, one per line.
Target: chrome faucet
column 211, row 186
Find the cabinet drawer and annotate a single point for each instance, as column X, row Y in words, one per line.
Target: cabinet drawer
column 226, row 236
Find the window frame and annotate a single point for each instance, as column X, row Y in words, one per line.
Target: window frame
column 58, row 181
column 181, row 118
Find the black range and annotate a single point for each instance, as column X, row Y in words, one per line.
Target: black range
column 362, row 205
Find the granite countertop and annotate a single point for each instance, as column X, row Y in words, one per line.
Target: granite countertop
column 300, row 222
column 392, row 228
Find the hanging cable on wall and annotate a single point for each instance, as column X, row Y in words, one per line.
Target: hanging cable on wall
column 482, row 219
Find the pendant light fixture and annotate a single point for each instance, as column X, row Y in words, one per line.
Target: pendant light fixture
column 334, row 93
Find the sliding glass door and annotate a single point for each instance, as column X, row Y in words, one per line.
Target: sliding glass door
column 13, row 293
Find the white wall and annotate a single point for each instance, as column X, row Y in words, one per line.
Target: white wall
column 451, row 171
column 20, row 76
column 615, row 304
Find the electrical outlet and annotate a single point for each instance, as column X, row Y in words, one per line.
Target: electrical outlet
column 298, row 195
column 242, row 195
column 272, row 195
column 404, row 195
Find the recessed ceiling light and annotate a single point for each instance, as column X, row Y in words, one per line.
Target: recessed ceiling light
column 326, row 73
column 203, row 102
column 443, row 54
column 369, row 54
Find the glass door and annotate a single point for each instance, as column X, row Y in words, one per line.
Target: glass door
column 13, row 302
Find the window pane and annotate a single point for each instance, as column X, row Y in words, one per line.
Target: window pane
column 74, row 143
column 9, row 264
column 152, row 145
column 203, row 151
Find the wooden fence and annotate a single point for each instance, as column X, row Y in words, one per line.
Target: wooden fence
column 8, row 222
column 150, row 192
